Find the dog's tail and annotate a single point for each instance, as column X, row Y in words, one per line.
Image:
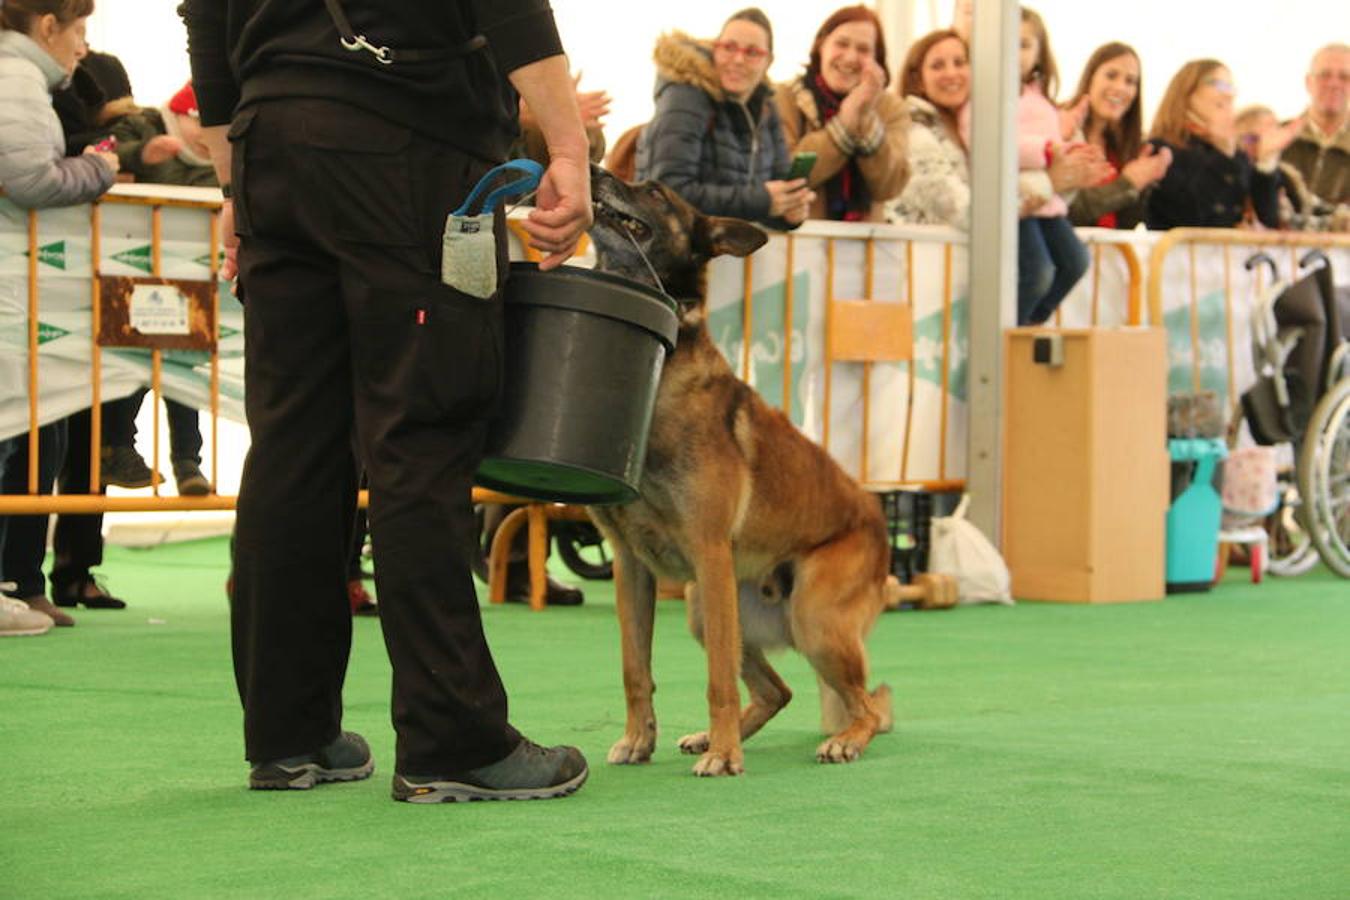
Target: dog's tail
column 892, row 592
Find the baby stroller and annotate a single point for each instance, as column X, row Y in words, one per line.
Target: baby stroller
column 1301, row 398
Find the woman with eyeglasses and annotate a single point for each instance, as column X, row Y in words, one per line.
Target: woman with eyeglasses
column 1211, row 178
column 715, row 137
column 840, row 110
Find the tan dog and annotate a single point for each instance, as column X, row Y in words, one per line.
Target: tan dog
column 783, row 548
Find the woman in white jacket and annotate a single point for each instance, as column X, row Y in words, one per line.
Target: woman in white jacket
column 936, row 85
column 40, row 43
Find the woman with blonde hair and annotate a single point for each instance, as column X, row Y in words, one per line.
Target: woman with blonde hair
column 1211, row 178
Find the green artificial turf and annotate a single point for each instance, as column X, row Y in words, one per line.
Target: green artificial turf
column 1194, row 748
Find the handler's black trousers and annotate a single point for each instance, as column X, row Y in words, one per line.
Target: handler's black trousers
column 347, row 325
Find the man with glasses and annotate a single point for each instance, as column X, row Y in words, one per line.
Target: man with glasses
column 1321, row 150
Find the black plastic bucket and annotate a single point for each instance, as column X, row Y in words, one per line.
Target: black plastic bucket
column 584, row 352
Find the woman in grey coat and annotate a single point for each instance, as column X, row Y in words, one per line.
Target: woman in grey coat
column 40, row 43
column 715, row 137
column 38, row 52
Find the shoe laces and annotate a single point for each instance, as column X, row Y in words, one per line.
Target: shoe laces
column 533, row 749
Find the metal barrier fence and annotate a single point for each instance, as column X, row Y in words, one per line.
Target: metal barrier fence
column 859, row 332
column 1198, row 282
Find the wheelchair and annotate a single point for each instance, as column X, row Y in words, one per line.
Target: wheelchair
column 1301, row 398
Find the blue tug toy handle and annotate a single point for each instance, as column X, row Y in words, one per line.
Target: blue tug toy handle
column 530, row 171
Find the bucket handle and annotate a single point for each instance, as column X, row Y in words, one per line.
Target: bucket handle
column 531, row 173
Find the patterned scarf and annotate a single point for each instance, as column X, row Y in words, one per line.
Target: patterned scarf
column 846, row 196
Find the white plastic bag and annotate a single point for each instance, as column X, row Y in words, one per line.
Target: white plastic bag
column 960, row 550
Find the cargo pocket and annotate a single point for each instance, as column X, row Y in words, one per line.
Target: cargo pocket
column 437, row 357
column 239, row 128
column 360, row 163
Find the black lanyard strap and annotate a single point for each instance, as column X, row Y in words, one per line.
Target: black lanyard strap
column 357, row 42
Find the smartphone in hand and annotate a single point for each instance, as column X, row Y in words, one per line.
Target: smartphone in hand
column 802, row 164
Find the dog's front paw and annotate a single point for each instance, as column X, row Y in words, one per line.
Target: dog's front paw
column 629, row 751
column 694, row 744
column 838, row 750
column 712, row 763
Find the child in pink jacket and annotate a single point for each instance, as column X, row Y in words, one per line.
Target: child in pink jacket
column 1050, row 257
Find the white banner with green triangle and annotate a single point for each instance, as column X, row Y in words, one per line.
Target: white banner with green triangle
column 891, row 455
column 64, row 306
column 65, row 270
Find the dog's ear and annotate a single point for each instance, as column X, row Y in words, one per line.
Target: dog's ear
column 721, row 236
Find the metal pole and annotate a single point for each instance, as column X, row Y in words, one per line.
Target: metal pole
column 993, row 248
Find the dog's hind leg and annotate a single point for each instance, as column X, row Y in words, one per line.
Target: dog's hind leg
column 768, row 694
column 833, row 607
column 834, row 716
column 635, row 601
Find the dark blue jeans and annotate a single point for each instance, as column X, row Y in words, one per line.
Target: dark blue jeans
column 1050, row 260
column 185, row 435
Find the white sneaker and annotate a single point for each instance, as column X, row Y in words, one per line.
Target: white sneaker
column 16, row 619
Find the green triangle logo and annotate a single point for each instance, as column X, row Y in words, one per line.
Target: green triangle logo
column 48, row 333
column 928, row 350
column 227, row 332
column 137, row 258
column 205, row 259
column 53, row 255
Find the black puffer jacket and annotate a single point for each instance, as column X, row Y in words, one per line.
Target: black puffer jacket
column 714, row 151
column 1206, row 188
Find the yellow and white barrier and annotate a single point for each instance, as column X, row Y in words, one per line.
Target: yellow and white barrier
column 858, row 332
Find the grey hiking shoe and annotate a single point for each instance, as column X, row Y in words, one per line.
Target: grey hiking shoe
column 347, row 758
column 529, row 772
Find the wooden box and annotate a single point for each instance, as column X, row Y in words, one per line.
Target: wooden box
column 1085, row 483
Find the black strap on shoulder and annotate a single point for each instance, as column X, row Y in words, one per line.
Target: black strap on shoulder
column 385, row 56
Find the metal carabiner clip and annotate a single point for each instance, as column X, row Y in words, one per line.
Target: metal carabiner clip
column 359, row 42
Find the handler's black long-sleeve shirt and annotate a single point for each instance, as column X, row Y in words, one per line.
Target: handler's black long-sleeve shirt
column 243, row 51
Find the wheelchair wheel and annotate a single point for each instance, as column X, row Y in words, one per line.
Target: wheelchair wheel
column 583, row 549
column 1324, row 478
column 1291, row 551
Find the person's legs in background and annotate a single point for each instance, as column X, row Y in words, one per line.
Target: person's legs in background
column 1069, row 260
column 16, row 619
column 185, row 449
column 1035, row 270
column 77, row 542
column 362, row 603
column 518, row 563
column 120, row 463
column 25, row 544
